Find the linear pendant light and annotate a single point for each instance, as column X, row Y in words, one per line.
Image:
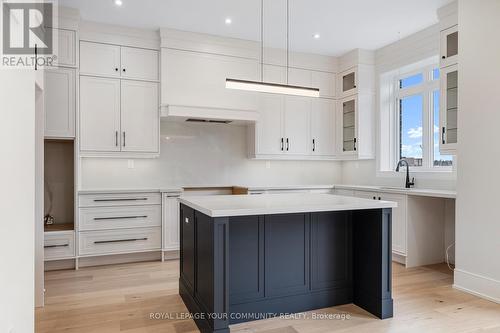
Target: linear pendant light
column 267, row 87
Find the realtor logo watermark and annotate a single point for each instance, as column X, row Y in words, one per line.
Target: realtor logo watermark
column 27, row 40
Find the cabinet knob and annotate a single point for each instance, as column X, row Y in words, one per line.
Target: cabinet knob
column 443, row 57
column 123, row 70
column 116, row 69
column 186, row 220
column 379, row 198
column 374, row 198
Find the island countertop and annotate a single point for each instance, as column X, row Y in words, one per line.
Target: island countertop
column 242, row 205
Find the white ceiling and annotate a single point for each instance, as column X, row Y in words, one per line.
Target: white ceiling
column 343, row 24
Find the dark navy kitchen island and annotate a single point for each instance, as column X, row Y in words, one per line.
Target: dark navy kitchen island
column 246, row 257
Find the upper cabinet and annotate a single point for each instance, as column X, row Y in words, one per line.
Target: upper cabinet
column 355, row 127
column 66, row 48
column 60, row 103
column 324, row 81
column 449, row 109
column 118, row 61
column 449, row 46
column 348, row 82
column 119, row 100
column 60, row 88
column 199, row 79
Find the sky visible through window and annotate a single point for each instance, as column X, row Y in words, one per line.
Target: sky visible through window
column 411, row 123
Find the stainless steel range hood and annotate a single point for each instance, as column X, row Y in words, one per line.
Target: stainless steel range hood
column 208, row 115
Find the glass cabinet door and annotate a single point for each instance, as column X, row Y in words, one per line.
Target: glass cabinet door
column 449, row 46
column 449, row 108
column 349, row 125
column 348, row 82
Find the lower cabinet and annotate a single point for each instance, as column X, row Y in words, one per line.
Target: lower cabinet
column 399, row 221
column 59, row 245
column 171, row 215
column 119, row 223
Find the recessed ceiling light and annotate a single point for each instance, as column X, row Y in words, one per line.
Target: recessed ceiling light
column 228, row 21
column 316, row 36
column 118, row 2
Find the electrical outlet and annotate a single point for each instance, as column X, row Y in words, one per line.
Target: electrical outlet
column 130, row 164
column 268, row 164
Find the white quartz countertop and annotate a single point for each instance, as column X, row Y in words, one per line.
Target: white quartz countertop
column 241, row 205
column 409, row 191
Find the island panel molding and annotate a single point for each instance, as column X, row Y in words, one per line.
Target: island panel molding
column 283, row 263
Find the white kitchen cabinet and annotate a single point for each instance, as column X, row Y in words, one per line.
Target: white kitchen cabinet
column 66, row 48
column 324, row 81
column 99, row 59
column 348, row 82
column 139, row 64
column 59, row 245
column 296, row 125
column 269, row 128
column 344, row 192
column 449, row 46
column 171, row 217
column 60, row 103
column 399, row 221
column 355, row 127
column 323, row 127
column 99, row 114
column 139, row 116
column 199, row 79
column 448, row 111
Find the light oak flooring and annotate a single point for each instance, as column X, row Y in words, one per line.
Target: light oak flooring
column 121, row 298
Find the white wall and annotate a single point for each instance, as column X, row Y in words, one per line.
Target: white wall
column 477, row 219
column 17, row 198
column 203, row 154
column 417, row 47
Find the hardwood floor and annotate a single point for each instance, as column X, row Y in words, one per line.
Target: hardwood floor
column 121, row 298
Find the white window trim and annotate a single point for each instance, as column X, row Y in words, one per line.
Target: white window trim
column 388, row 122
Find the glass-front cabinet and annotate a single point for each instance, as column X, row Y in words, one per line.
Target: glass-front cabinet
column 449, row 46
column 348, row 110
column 348, row 82
column 449, row 109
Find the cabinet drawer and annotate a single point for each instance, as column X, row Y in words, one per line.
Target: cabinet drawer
column 119, row 241
column 119, row 199
column 101, row 218
column 59, row 245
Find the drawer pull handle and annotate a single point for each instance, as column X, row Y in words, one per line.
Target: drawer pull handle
column 52, row 246
column 120, row 199
column 120, row 217
column 121, row 240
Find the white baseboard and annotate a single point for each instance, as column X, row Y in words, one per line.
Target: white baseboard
column 399, row 258
column 477, row 285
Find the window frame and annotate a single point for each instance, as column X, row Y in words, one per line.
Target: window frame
column 389, row 119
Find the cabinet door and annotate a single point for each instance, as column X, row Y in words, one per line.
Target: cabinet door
column 187, row 247
column 99, row 59
column 99, row 114
column 59, row 99
column 299, row 77
column 323, row 127
column 348, row 125
column 449, row 46
column 171, row 215
column 449, row 109
column 141, row 64
column 398, row 222
column 348, row 82
column 270, row 139
column 199, row 79
column 325, row 82
column 66, row 48
column 296, row 125
column 139, row 116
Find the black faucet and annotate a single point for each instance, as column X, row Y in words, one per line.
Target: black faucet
column 408, row 184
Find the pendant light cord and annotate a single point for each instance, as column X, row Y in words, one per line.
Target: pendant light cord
column 262, row 40
column 287, row 38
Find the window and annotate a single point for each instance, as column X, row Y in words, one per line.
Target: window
column 411, row 128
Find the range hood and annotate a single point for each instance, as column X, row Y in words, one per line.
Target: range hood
column 208, row 114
